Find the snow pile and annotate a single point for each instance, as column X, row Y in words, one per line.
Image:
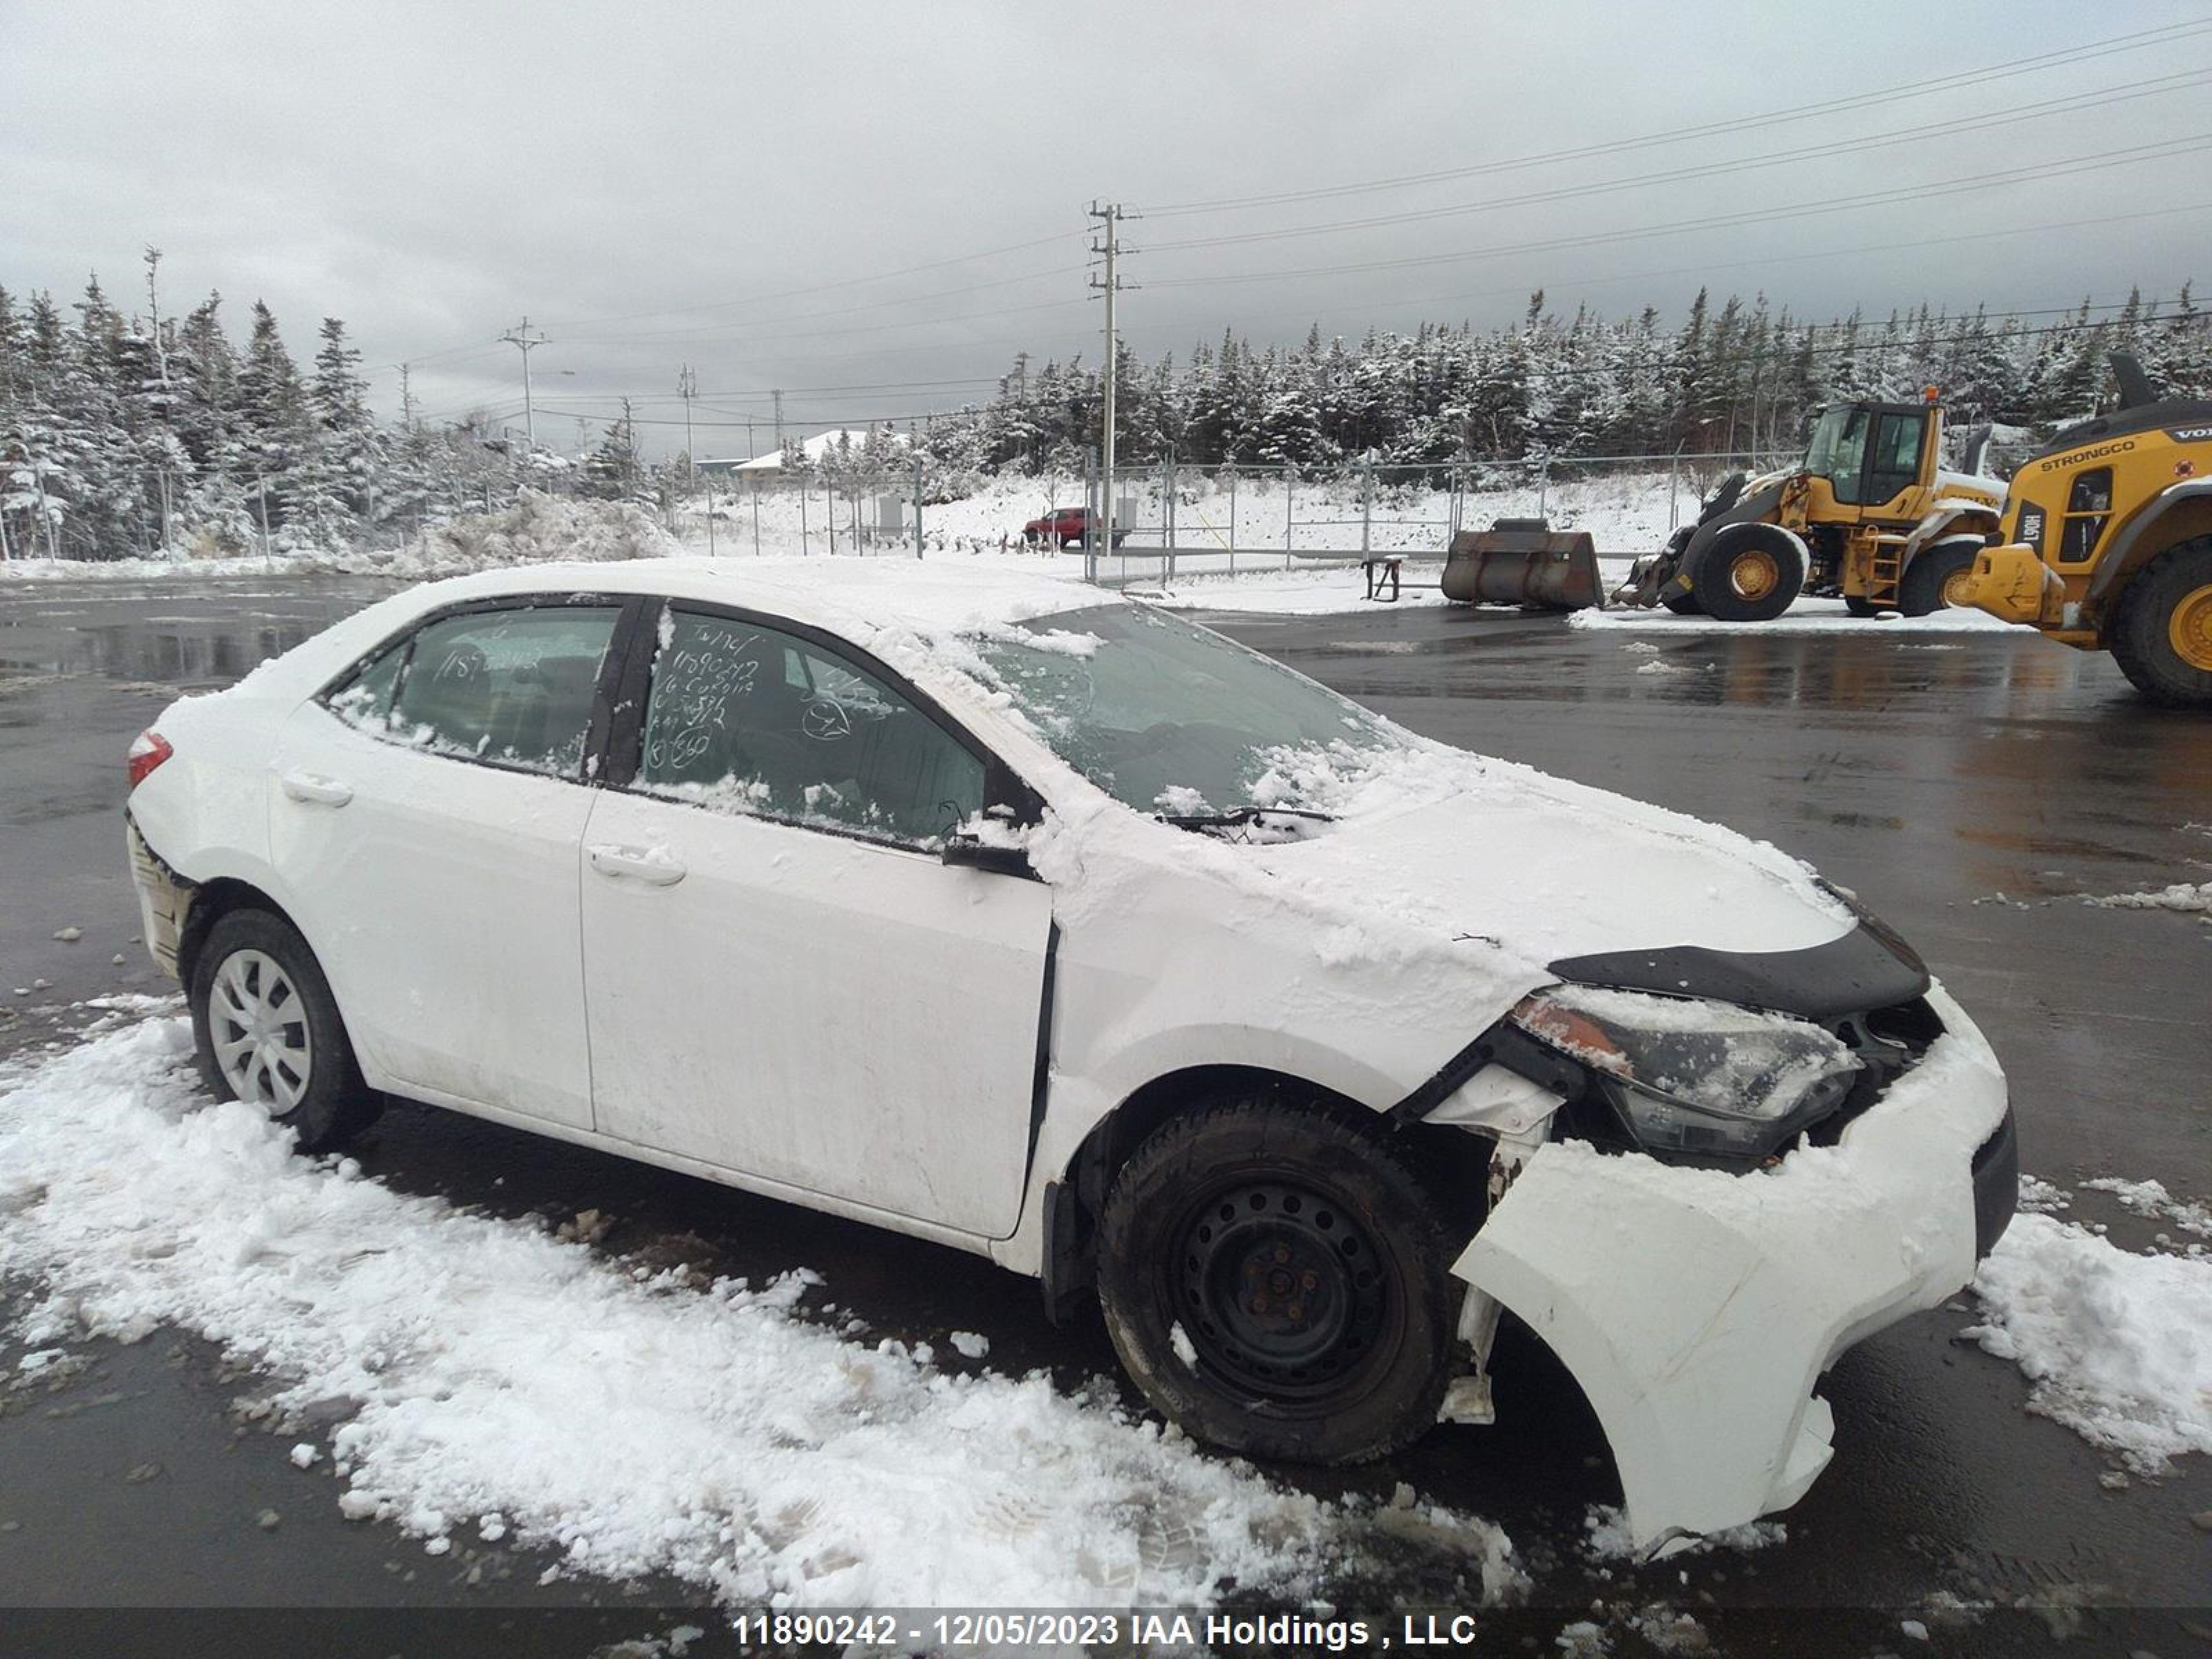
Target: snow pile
column 2190, row 898
column 504, row 1380
column 1806, row 615
column 2151, row 1200
column 537, row 529
column 2117, row 1346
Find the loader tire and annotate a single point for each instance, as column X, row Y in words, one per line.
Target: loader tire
column 1277, row 1279
column 1749, row 573
column 1683, row 604
column 2161, row 634
column 1932, row 582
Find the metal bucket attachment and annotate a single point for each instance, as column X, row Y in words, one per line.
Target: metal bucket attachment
column 1524, row 561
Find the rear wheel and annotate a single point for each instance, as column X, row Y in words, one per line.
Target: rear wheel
column 1936, row 581
column 2162, row 636
column 1276, row 1280
column 268, row 1032
column 1859, row 606
column 1751, row 573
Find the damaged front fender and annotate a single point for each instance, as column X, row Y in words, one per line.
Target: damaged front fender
column 1697, row 1309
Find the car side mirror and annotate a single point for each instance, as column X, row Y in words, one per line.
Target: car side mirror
column 972, row 853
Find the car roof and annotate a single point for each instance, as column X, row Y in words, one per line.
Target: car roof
column 857, row 596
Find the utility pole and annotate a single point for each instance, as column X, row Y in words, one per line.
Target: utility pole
column 778, row 396
column 407, row 397
column 523, row 339
column 1109, row 246
column 687, row 387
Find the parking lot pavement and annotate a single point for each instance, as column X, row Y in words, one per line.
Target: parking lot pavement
column 1972, row 790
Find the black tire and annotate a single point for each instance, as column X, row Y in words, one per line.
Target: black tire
column 1320, row 1212
column 1928, row 579
column 334, row 1105
column 1747, row 573
column 1683, row 604
column 1859, row 606
column 2170, row 597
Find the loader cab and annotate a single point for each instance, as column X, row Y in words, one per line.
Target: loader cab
column 1871, row 453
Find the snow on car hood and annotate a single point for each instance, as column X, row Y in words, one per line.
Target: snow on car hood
column 1474, row 848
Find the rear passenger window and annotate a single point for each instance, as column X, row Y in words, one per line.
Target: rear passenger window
column 512, row 687
column 749, row 720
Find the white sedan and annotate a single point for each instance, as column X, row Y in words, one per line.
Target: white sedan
column 1049, row 926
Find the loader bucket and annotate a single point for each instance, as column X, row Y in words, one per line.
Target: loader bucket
column 1524, row 561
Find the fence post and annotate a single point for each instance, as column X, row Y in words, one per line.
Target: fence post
column 1543, row 487
column 1090, row 506
column 1167, row 474
column 804, row 549
column 1232, row 519
column 1367, row 509
column 917, row 506
column 1289, row 486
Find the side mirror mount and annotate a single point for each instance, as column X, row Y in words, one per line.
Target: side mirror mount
column 972, row 853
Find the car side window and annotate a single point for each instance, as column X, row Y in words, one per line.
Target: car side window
column 746, row 718
column 511, row 687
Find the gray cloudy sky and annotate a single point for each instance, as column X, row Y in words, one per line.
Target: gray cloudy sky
column 737, row 186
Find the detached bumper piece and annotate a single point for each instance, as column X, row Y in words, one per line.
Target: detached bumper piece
column 1698, row 1308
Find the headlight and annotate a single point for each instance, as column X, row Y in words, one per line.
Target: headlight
column 1692, row 1077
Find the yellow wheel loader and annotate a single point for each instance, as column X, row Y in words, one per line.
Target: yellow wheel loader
column 1870, row 516
column 2108, row 541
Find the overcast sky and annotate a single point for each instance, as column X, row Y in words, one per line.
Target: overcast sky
column 739, row 187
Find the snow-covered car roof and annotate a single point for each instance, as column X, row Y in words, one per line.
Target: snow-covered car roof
column 849, row 596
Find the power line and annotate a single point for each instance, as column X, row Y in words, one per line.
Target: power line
column 2142, row 39
column 2071, row 104
column 2103, row 159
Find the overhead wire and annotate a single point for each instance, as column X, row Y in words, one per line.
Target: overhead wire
column 2137, row 40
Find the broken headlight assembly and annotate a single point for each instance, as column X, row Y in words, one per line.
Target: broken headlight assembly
column 1690, row 1080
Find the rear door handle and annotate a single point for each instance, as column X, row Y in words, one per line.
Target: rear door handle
column 310, row 787
column 655, row 864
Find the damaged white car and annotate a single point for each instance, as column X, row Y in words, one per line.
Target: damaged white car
column 1049, row 926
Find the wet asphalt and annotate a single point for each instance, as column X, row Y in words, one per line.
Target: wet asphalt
column 1972, row 788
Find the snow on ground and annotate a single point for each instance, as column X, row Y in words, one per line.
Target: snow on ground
column 503, row 1381
column 1607, row 1537
column 1289, row 593
column 1807, row 615
column 2192, row 898
column 2117, row 1346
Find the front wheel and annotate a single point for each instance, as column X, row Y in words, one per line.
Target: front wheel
column 267, row 1032
column 2162, row 636
column 1748, row 574
column 1936, row 581
column 1276, row 1280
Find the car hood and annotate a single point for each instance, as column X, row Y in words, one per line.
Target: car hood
column 1602, row 889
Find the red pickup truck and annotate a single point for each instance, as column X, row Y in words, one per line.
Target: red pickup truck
column 1069, row 526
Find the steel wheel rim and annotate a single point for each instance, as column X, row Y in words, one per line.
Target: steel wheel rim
column 1281, row 1292
column 257, row 1021
column 2189, row 630
column 1954, row 588
column 1754, row 574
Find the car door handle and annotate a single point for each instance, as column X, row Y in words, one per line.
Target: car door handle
column 648, row 863
column 311, row 786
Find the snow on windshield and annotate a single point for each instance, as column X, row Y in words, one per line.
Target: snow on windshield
column 1167, row 716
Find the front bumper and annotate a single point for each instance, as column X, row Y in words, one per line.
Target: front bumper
column 1697, row 1309
column 2014, row 584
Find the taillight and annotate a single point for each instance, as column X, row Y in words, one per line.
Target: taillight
column 148, row 750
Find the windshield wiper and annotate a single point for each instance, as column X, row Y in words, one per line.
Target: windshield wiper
column 1246, row 817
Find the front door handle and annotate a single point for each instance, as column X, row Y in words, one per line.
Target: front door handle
column 312, row 787
column 656, row 865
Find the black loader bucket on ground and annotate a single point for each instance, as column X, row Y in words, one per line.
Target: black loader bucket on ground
column 1524, row 561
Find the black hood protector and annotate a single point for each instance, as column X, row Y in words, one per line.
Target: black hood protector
column 1870, row 967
